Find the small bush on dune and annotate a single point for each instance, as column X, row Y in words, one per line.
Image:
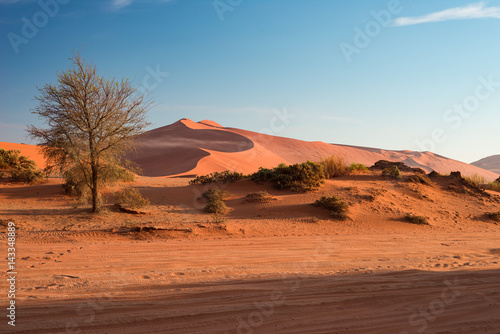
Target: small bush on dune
column 337, row 207
column 216, row 206
column 19, row 167
column 218, row 177
column 494, row 186
column 418, row 220
column 298, row 177
column 215, row 194
column 358, row 168
column 215, row 199
column 476, row 179
column 131, row 198
column 259, row 197
column 392, row 172
column 333, row 166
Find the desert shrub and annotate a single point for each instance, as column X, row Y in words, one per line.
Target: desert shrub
column 419, row 220
column 29, row 175
column 392, row 172
column 263, row 175
column 259, row 197
column 132, row 198
column 216, row 206
column 494, row 186
column 358, row 168
column 218, row 177
column 215, row 194
column 333, row 166
column 74, row 184
column 418, row 178
column 497, row 180
column 476, row 180
column 19, row 167
column 338, row 208
column 495, row 216
column 298, row 177
column 215, row 201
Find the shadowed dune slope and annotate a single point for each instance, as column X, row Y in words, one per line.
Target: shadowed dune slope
column 177, row 148
column 189, row 148
column 196, row 148
column 490, row 163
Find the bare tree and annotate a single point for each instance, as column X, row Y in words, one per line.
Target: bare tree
column 91, row 122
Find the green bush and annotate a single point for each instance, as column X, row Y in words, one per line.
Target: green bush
column 28, row 175
column 476, row 179
column 338, row 208
column 216, row 206
column 215, row 194
column 215, row 201
column 494, row 186
column 218, row 177
column 419, row 220
column 19, row 167
column 131, row 198
column 333, row 166
column 298, row 177
column 358, row 168
column 392, row 172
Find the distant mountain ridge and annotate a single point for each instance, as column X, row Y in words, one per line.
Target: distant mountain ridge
column 491, row 163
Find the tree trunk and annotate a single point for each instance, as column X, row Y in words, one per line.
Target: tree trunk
column 94, row 189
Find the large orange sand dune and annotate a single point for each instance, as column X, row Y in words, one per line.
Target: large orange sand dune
column 190, row 148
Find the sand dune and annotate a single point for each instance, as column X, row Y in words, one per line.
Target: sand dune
column 195, row 148
column 198, row 152
column 490, row 163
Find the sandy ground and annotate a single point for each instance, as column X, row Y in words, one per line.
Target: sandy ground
column 278, row 267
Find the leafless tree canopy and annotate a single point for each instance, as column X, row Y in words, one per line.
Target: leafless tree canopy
column 90, row 122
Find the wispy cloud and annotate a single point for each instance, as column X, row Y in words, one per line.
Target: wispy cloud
column 473, row 11
column 118, row 4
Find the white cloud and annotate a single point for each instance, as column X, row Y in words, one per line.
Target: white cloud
column 473, row 11
column 117, row 4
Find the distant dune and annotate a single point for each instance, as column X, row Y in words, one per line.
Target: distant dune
column 490, row 163
column 188, row 148
column 196, row 148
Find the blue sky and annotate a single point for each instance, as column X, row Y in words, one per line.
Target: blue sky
column 407, row 75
